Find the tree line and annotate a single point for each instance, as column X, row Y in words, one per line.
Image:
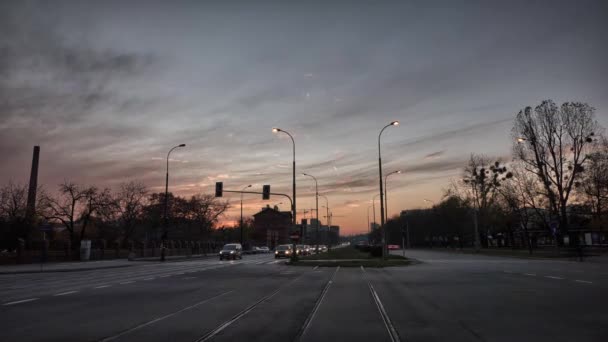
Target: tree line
column 553, row 189
column 130, row 213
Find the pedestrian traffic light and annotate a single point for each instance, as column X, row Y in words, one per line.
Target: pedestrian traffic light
column 219, row 186
column 266, row 192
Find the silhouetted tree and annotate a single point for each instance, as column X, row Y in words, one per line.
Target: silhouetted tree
column 552, row 142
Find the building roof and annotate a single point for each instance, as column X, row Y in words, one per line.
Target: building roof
column 272, row 211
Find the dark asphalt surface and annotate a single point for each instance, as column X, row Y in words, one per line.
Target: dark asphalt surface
column 446, row 297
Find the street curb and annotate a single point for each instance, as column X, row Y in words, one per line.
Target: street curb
column 156, row 260
column 66, row 270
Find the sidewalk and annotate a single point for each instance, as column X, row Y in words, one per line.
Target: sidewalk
column 77, row 266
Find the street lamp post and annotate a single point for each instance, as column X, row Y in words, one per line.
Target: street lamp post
column 248, row 186
column 317, row 202
column 386, row 192
column 326, row 215
column 374, row 206
column 166, row 217
column 369, row 227
column 384, row 252
column 293, row 204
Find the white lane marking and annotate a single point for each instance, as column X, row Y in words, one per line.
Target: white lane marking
column 64, row 293
column 583, row 281
column 126, row 282
column 530, row 274
column 162, row 317
column 20, row 301
column 165, row 276
column 554, row 277
column 151, row 278
column 315, row 267
column 101, row 286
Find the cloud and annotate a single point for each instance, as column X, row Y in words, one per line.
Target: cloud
column 434, row 155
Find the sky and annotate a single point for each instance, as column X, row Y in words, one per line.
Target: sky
column 106, row 88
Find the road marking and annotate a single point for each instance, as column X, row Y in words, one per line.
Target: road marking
column 64, row 293
column 127, row 282
column 20, row 301
column 189, row 278
column 162, row 317
column 530, row 274
column 554, row 277
column 315, row 267
column 151, row 278
column 312, row 314
column 238, row 316
column 101, row 286
column 583, row 281
column 392, row 332
column 165, row 276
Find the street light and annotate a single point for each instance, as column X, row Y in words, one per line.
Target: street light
column 374, row 206
column 394, row 123
column 520, row 140
column 327, row 214
column 316, row 200
column 248, row 186
column 166, row 230
column 293, row 204
column 386, row 191
column 369, row 227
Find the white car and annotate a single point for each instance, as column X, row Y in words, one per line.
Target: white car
column 263, row 249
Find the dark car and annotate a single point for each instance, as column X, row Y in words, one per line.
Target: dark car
column 231, row 251
column 282, row 251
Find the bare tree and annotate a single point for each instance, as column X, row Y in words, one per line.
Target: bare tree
column 13, row 201
column 73, row 202
column 552, row 141
column 594, row 184
column 129, row 203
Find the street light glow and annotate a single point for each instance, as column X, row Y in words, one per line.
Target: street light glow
column 274, row 129
column 395, row 123
column 521, row 140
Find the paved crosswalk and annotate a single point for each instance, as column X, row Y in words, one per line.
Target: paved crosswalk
column 14, row 287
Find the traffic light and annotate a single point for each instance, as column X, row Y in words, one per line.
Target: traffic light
column 266, row 192
column 219, row 187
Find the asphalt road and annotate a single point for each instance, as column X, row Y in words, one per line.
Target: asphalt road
column 446, row 297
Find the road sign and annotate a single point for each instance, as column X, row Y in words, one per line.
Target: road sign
column 553, row 225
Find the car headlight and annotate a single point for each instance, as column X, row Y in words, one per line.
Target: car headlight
column 287, row 252
column 276, row 252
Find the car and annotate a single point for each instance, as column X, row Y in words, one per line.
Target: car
column 264, row 249
column 231, row 251
column 323, row 248
column 282, row 251
column 301, row 250
column 393, row 247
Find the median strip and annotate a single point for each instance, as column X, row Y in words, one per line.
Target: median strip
column 583, row 281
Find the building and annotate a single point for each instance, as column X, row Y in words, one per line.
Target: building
column 271, row 227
